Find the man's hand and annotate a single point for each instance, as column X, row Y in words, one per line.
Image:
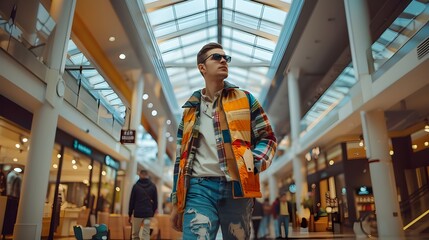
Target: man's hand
column 176, row 220
column 129, row 219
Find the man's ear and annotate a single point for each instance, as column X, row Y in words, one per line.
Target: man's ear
column 202, row 68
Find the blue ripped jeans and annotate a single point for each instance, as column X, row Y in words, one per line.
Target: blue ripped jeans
column 210, row 205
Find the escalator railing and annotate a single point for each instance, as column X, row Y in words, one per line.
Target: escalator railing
column 415, row 207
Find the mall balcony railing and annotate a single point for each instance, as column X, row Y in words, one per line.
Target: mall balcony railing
column 408, row 31
column 28, row 49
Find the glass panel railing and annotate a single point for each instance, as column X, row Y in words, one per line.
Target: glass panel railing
column 405, row 26
column 330, row 98
column 34, row 35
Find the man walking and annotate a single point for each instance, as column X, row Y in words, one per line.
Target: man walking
column 224, row 141
column 143, row 204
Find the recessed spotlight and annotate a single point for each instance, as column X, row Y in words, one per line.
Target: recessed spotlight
column 168, row 122
column 122, row 56
column 150, row 105
column 17, row 145
column 154, row 113
column 145, row 96
column 112, row 39
column 170, row 139
column 15, row 159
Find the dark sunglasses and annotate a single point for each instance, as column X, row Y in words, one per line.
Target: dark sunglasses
column 218, row 57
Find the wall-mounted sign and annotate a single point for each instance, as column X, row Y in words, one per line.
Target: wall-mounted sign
column 292, row 188
column 109, row 161
column 128, row 136
column 364, row 190
column 81, row 147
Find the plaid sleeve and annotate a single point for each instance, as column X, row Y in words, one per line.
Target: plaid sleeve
column 177, row 161
column 263, row 139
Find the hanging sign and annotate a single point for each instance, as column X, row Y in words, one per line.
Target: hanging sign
column 128, row 136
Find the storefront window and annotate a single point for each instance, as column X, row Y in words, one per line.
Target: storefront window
column 95, row 180
column 321, row 162
column 334, row 154
column 108, row 176
column 355, row 150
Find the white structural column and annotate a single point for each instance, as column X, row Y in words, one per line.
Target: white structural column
column 135, row 122
column 382, row 175
column 162, row 144
column 30, row 211
column 299, row 171
column 357, row 16
column 273, row 188
column 373, row 123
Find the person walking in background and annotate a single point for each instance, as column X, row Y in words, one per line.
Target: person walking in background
column 256, row 218
column 275, row 211
column 143, row 204
column 264, row 229
column 224, row 141
column 285, row 211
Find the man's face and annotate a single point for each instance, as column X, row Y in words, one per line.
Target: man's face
column 214, row 68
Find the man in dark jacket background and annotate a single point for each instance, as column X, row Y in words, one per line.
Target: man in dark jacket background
column 143, row 204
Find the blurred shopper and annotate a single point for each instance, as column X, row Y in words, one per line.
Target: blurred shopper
column 224, row 141
column 264, row 229
column 285, row 211
column 257, row 215
column 275, row 209
column 142, row 207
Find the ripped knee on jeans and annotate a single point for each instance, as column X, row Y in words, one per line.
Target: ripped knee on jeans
column 200, row 224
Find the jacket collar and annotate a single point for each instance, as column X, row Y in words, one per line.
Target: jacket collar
column 195, row 99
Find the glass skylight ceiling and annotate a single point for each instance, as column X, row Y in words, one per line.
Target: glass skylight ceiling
column 248, row 31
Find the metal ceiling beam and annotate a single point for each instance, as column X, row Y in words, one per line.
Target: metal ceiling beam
column 219, row 21
column 153, row 6
column 251, row 31
column 186, row 31
column 275, row 4
column 235, row 64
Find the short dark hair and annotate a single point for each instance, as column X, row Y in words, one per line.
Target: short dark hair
column 202, row 53
column 144, row 172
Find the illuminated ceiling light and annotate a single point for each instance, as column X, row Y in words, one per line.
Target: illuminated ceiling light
column 73, row 161
column 145, row 96
column 55, row 165
column 154, row 113
column 118, row 189
column 426, row 144
column 122, row 56
column 167, row 134
column 391, row 152
column 361, row 142
column 17, row 145
column 427, row 126
column 308, row 156
column 85, row 181
column 168, row 122
column 103, row 173
column 150, row 105
column 112, row 39
column 89, row 167
column 15, row 159
column 17, row 169
column 58, row 156
column 414, row 146
column 170, row 139
column 24, row 139
column 331, row 162
column 74, row 167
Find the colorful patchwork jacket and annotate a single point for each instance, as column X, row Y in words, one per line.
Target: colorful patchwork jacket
column 245, row 142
